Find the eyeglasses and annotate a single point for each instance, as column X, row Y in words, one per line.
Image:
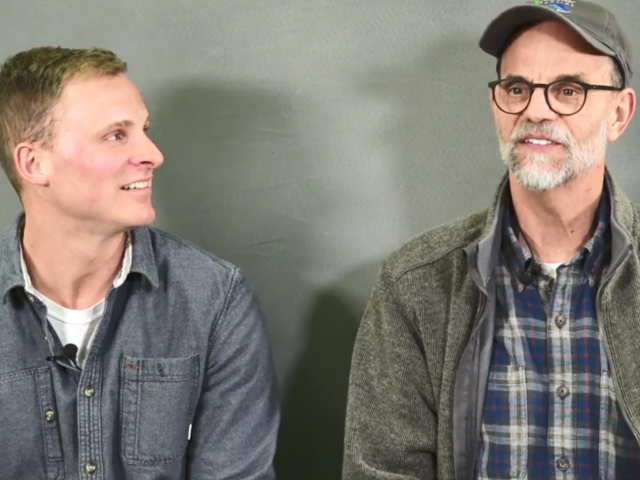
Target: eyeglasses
column 564, row 97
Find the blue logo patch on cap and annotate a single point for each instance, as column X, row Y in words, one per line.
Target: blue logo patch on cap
column 562, row 6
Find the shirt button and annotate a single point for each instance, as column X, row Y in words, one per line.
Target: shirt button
column 49, row 416
column 562, row 464
column 561, row 320
column 90, row 467
column 89, row 391
column 562, row 391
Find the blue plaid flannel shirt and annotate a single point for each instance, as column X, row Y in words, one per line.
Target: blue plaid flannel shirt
column 550, row 409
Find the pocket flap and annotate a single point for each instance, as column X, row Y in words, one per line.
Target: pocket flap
column 161, row 369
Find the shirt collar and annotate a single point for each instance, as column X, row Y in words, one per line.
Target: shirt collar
column 592, row 253
column 117, row 281
column 140, row 257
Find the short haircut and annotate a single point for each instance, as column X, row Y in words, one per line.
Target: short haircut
column 31, row 82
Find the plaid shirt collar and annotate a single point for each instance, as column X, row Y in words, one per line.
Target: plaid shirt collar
column 591, row 255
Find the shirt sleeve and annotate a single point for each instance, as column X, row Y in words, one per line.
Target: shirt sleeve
column 236, row 422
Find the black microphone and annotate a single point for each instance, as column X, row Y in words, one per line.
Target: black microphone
column 527, row 276
column 69, row 352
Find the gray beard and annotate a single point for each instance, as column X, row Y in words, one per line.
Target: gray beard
column 540, row 172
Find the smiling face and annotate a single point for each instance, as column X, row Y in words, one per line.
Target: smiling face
column 99, row 166
column 545, row 150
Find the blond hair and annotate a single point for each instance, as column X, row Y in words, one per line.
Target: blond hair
column 31, row 82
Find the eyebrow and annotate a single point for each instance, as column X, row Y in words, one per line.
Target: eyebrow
column 579, row 76
column 126, row 124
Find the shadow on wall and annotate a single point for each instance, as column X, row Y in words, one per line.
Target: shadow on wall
column 231, row 183
column 444, row 144
column 315, row 399
column 235, row 181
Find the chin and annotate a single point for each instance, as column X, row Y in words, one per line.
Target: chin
column 543, row 179
column 141, row 219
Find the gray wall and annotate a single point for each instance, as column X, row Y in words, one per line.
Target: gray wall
column 303, row 141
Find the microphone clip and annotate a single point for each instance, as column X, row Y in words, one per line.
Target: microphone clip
column 69, row 352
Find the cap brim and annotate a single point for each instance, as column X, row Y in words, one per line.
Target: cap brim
column 505, row 25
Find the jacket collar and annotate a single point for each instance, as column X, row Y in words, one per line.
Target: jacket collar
column 484, row 254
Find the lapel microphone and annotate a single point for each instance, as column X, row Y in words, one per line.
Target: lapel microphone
column 69, row 352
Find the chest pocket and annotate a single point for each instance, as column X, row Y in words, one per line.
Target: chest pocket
column 29, row 434
column 158, row 397
column 504, row 442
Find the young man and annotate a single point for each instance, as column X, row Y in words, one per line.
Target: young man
column 126, row 353
column 507, row 344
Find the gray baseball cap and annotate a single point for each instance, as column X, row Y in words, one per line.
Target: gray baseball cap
column 591, row 21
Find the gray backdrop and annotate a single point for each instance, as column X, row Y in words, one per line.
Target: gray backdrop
column 303, row 141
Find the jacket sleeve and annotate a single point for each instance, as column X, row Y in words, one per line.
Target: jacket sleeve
column 390, row 429
column 236, row 422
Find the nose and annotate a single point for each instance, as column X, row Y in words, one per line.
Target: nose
column 148, row 153
column 538, row 109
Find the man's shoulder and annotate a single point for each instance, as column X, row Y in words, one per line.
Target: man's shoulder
column 437, row 243
column 182, row 260
column 633, row 226
column 635, row 209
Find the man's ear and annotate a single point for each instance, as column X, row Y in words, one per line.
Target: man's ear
column 30, row 165
column 622, row 114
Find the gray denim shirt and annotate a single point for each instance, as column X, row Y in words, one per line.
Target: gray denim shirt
column 181, row 352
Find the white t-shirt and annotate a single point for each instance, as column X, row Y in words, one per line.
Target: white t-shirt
column 551, row 268
column 77, row 326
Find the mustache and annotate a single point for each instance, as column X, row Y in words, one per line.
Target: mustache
column 552, row 132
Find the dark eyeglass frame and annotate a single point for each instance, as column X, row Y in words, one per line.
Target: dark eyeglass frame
column 546, row 86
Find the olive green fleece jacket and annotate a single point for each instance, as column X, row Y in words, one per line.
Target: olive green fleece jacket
column 421, row 358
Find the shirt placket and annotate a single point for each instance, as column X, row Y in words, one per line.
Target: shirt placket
column 91, row 465
column 561, row 433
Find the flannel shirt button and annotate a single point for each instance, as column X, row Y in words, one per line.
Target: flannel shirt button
column 561, row 320
column 562, row 391
column 562, row 464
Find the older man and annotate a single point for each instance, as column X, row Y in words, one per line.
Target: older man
column 506, row 344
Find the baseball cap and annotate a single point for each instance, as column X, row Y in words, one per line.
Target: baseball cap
column 594, row 23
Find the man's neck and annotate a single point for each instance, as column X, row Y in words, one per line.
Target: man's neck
column 557, row 223
column 69, row 264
